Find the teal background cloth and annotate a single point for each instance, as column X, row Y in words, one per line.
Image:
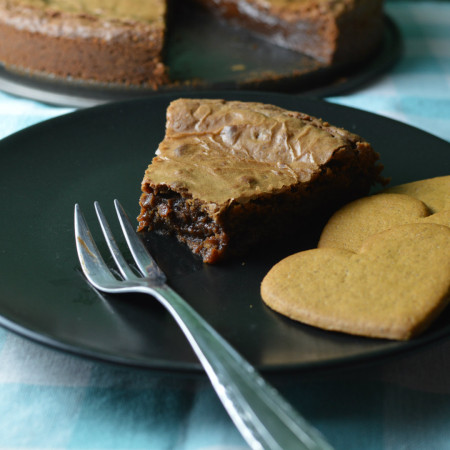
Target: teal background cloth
column 53, row 400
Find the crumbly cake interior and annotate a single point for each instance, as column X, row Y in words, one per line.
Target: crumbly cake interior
column 229, row 174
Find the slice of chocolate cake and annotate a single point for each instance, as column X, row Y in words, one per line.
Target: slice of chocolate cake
column 229, row 174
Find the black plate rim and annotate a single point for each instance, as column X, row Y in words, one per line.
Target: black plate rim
column 402, row 348
column 42, row 338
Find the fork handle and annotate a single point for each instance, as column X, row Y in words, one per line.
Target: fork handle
column 263, row 417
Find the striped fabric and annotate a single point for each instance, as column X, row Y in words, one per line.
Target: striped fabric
column 52, row 400
column 417, row 90
column 17, row 113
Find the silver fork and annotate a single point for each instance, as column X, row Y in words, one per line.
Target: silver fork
column 263, row 417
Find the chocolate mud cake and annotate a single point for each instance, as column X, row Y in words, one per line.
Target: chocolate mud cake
column 122, row 42
column 112, row 42
column 231, row 174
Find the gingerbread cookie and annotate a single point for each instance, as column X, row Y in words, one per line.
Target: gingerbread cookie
column 393, row 287
column 434, row 192
column 352, row 224
column 421, row 201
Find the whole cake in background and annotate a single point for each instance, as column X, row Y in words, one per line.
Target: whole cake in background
column 230, row 175
column 122, row 42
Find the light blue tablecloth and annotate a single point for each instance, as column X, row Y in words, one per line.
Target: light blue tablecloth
column 52, row 400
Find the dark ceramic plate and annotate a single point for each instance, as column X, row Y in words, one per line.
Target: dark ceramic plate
column 207, row 54
column 100, row 154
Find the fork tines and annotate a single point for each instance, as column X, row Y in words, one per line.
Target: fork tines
column 92, row 263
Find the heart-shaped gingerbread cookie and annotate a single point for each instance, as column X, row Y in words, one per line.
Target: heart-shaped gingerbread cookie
column 351, row 225
column 394, row 287
column 420, row 201
column 434, row 192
